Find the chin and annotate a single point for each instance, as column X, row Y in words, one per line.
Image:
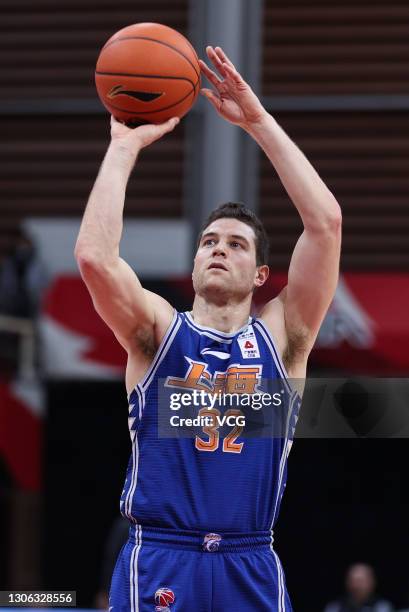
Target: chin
column 212, row 288
column 216, row 286
column 222, row 290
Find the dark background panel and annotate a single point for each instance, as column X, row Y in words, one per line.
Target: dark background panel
column 50, row 51
column 5, row 519
column 346, row 501
column 49, row 164
column 363, row 159
column 86, row 452
column 315, row 47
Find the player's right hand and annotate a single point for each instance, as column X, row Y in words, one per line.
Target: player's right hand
column 137, row 138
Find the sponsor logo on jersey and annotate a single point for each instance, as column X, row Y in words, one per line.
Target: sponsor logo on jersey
column 248, row 344
column 218, row 354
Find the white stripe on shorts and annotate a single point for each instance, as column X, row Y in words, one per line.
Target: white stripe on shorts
column 281, row 588
column 133, row 570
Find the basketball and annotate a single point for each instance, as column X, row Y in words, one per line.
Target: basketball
column 147, row 73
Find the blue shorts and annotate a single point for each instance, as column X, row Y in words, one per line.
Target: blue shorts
column 160, row 570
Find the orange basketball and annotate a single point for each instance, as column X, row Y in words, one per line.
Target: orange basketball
column 147, row 73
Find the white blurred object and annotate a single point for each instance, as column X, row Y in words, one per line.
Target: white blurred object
column 153, row 248
column 346, row 320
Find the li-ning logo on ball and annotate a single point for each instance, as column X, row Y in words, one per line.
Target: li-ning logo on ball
column 143, row 96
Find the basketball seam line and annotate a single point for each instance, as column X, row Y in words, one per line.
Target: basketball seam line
column 146, row 76
column 108, row 44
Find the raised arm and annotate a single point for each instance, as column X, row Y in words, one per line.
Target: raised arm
column 297, row 313
column 314, row 266
column 128, row 309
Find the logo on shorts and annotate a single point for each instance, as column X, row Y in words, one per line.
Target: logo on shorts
column 163, row 597
column 211, row 542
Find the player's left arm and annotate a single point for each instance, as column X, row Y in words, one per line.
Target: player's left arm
column 313, row 272
column 314, row 266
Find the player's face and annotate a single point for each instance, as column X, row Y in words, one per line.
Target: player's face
column 225, row 262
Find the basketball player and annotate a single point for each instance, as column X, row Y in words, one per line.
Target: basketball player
column 202, row 509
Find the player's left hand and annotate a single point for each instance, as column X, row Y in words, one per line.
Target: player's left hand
column 233, row 98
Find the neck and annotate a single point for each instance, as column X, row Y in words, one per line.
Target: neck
column 227, row 318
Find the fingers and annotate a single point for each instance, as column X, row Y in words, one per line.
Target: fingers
column 172, row 122
column 141, row 136
column 224, row 66
column 223, row 57
column 115, row 121
column 160, row 128
column 145, row 135
column 232, row 73
column 211, row 96
column 210, row 75
column 168, row 126
column 216, row 61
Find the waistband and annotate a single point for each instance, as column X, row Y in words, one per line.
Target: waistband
column 200, row 541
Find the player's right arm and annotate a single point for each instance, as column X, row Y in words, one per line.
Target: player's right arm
column 118, row 296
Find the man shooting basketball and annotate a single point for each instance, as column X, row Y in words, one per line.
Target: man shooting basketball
column 202, row 509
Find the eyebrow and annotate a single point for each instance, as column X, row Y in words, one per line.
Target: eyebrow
column 235, row 236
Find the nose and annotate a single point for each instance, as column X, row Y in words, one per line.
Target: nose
column 219, row 249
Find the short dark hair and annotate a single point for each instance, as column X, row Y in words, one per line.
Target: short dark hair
column 237, row 210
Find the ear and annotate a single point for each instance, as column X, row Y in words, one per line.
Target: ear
column 262, row 274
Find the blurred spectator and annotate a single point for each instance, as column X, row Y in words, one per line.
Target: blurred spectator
column 22, row 280
column 405, row 610
column 360, row 585
column 117, row 537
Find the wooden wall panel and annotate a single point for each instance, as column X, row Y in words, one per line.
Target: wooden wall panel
column 50, row 164
column 48, row 51
column 350, row 47
column 364, row 160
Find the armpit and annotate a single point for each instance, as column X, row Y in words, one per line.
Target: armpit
column 145, row 343
column 297, row 349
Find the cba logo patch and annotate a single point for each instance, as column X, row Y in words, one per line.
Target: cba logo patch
column 163, row 597
column 211, row 542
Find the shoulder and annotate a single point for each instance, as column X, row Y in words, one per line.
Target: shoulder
column 147, row 345
column 164, row 314
column 147, row 338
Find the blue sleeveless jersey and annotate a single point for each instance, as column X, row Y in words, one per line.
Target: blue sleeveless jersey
column 215, row 481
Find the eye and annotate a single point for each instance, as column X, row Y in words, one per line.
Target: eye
column 235, row 244
column 208, row 242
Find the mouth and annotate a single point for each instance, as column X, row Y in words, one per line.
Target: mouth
column 217, row 266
